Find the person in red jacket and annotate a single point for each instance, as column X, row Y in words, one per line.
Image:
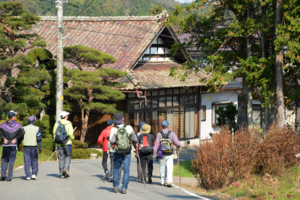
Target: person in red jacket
column 104, row 137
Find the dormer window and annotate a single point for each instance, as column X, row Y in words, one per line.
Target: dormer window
column 157, row 51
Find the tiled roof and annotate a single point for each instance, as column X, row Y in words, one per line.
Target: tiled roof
column 125, row 38
column 155, row 74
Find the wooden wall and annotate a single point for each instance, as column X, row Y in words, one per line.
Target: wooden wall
column 97, row 122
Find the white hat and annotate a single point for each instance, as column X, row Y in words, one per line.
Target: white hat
column 64, row 114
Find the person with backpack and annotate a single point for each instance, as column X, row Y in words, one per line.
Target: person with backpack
column 145, row 146
column 32, row 140
column 134, row 144
column 63, row 134
column 11, row 132
column 104, row 137
column 165, row 141
column 120, row 136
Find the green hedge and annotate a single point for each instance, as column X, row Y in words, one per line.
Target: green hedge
column 47, row 143
column 81, row 153
column 79, row 145
column 100, row 153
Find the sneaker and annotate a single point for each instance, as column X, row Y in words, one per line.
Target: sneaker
column 111, row 178
column 149, row 178
column 123, row 191
column 169, row 184
column 106, row 174
column 62, row 176
column 3, row 179
column 116, row 189
column 27, row 178
column 34, row 177
column 66, row 172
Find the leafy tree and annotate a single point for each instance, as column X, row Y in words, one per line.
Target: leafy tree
column 13, row 19
column 157, row 9
column 227, row 116
column 94, row 91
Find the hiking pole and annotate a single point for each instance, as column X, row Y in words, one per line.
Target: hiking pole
column 142, row 174
column 51, row 156
column 178, row 163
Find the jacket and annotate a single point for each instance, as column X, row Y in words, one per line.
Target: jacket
column 172, row 137
column 150, row 138
column 10, row 130
column 69, row 129
column 103, row 138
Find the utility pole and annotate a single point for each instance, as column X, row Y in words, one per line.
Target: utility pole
column 60, row 60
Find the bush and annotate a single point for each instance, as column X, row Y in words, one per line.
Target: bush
column 100, row 153
column 45, row 155
column 81, row 153
column 211, row 164
column 80, row 145
column 47, row 143
column 277, row 152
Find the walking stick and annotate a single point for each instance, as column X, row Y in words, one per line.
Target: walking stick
column 51, row 156
column 142, row 174
column 178, row 163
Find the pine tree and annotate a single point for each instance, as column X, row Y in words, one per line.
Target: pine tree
column 13, row 21
column 92, row 90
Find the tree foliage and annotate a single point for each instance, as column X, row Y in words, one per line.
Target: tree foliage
column 157, row 9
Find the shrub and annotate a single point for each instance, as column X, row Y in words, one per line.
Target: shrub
column 81, row 153
column 100, row 153
column 277, row 152
column 47, row 143
column 211, row 164
column 80, row 145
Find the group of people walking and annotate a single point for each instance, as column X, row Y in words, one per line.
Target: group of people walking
column 116, row 138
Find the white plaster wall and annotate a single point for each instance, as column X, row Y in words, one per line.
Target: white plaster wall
column 207, row 100
column 193, row 142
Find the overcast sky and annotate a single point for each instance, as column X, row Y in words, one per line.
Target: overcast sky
column 184, row 1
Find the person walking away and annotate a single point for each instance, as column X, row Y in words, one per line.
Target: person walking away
column 63, row 134
column 166, row 139
column 10, row 132
column 104, row 138
column 134, row 145
column 145, row 146
column 121, row 135
column 32, row 140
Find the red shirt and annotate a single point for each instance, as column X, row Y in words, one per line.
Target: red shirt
column 102, row 138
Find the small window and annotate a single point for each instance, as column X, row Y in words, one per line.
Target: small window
column 154, row 103
column 203, row 113
column 196, row 99
column 190, row 90
column 148, row 103
column 175, row 101
column 162, row 102
column 169, row 92
column 162, row 92
column 169, row 101
column 132, row 95
column 148, row 93
column 131, row 105
column 182, row 91
column 155, row 93
column 176, row 91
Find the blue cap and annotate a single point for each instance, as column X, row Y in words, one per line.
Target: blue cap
column 111, row 121
column 119, row 118
column 31, row 119
column 141, row 124
column 165, row 124
column 11, row 114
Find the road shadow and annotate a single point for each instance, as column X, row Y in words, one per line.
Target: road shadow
column 109, row 189
column 54, row 175
column 19, row 177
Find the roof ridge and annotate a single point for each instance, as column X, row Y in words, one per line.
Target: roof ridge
column 162, row 15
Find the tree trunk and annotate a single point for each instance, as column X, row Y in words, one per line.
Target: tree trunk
column 279, row 74
column 248, row 90
column 263, row 50
column 242, row 108
column 85, row 122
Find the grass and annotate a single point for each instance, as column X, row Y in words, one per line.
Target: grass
column 286, row 186
column 185, row 169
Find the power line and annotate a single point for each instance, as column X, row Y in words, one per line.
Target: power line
column 81, row 11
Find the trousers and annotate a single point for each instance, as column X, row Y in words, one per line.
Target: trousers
column 64, row 154
column 31, row 161
column 9, row 155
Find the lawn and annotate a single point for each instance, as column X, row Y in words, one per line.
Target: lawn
column 185, row 169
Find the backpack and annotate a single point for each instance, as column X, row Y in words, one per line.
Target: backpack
column 122, row 141
column 61, row 136
column 145, row 144
column 165, row 143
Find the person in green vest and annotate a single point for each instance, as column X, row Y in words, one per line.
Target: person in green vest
column 32, row 140
column 64, row 151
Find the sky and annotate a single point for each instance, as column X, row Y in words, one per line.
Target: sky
column 184, row 1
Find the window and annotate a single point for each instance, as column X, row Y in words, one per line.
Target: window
column 203, row 113
column 169, row 92
column 132, row 95
column 169, row 101
column 162, row 102
column 215, row 117
column 162, row 92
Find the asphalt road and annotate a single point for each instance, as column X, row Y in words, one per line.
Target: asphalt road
column 87, row 183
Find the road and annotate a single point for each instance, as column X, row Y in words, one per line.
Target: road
column 87, row 183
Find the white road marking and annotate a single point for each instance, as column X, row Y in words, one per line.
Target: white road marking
column 20, row 167
column 190, row 193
